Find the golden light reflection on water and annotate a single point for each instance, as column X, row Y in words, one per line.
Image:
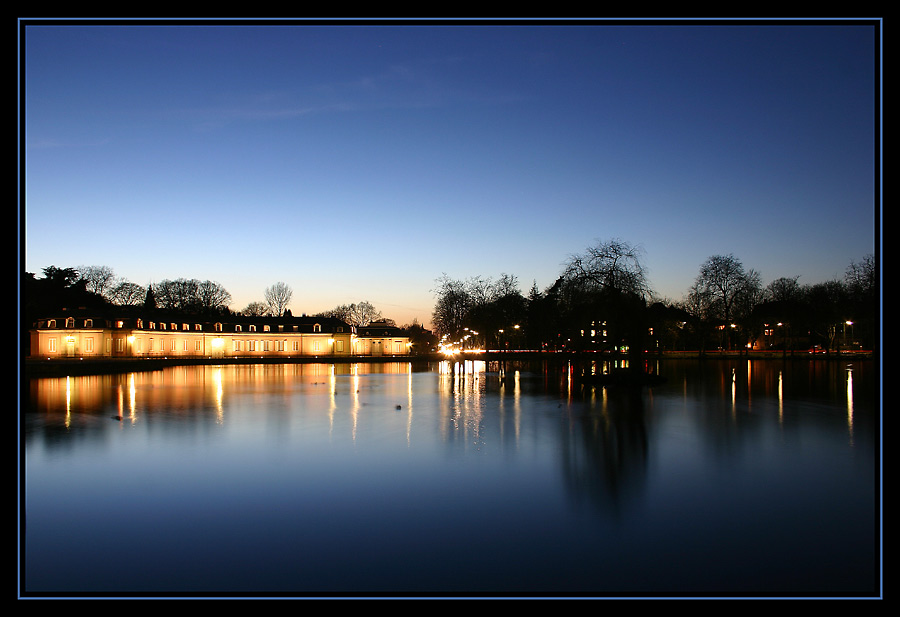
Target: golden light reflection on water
column 850, row 402
column 187, row 389
column 780, row 397
column 462, row 387
column 68, row 401
column 733, row 393
column 217, row 381
column 342, row 392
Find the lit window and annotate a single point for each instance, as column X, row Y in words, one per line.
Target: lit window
column 265, row 328
column 51, row 345
column 89, row 345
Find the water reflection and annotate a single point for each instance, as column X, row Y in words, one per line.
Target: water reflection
column 464, row 390
column 605, row 449
column 738, row 475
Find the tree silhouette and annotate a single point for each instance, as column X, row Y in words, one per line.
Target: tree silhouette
column 278, row 296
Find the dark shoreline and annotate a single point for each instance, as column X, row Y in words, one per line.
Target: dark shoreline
column 31, row 367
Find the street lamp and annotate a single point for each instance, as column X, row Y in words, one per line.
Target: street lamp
column 848, row 323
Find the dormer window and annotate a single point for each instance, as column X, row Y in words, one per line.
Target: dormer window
column 317, row 328
column 265, row 328
column 88, row 323
column 238, row 328
column 70, row 322
column 252, row 328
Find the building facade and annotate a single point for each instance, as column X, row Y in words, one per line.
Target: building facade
column 84, row 335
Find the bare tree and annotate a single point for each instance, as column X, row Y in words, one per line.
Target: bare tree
column 278, row 296
column 212, row 296
column 97, row 279
column 605, row 289
column 341, row 311
column 451, row 309
column 359, row 314
column 784, row 289
column 255, row 309
column 363, row 313
column 726, row 289
column 191, row 295
column 613, row 265
column 862, row 278
column 126, row 293
column 178, row 295
column 724, row 282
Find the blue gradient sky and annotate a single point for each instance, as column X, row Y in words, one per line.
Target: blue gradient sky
column 362, row 162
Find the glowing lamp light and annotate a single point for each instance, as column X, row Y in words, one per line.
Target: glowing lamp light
column 218, row 342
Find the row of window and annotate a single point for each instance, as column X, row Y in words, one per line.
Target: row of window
column 161, row 345
column 152, row 325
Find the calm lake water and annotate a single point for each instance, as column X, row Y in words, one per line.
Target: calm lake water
column 735, row 477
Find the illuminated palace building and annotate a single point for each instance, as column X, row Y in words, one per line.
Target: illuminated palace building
column 84, row 336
